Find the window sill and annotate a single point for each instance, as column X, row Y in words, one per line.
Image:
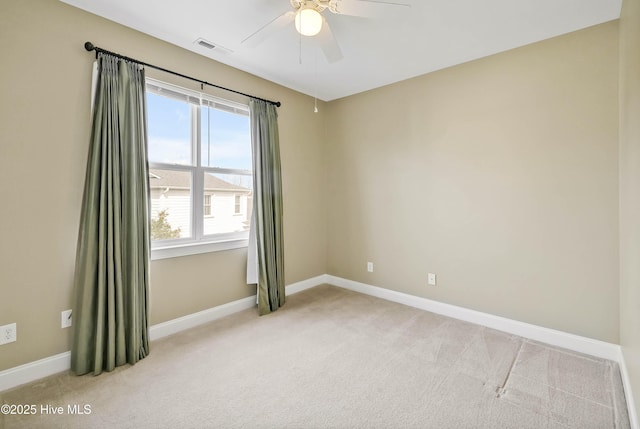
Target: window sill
column 197, row 248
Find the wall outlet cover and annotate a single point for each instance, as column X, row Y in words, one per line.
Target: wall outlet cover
column 66, row 319
column 432, row 279
column 8, row 333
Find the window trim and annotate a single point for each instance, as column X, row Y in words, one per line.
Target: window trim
column 198, row 242
column 187, row 249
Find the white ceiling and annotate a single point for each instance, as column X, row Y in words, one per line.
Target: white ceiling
column 392, row 44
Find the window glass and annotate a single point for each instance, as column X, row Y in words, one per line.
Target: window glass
column 169, row 130
column 170, row 204
column 232, row 203
column 226, row 139
column 191, row 202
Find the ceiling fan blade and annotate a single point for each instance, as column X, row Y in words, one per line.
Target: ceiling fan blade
column 329, row 44
column 365, row 8
column 264, row 32
column 352, row 8
column 389, row 3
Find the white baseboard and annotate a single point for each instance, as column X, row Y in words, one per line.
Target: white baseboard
column 32, row 371
column 307, row 284
column 628, row 393
column 545, row 335
column 174, row 326
column 192, row 320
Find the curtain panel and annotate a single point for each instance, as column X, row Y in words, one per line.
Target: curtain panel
column 266, row 244
column 110, row 313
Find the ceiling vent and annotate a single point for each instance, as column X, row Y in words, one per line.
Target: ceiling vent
column 209, row 45
column 205, row 44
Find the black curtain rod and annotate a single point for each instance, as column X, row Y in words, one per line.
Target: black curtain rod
column 89, row 47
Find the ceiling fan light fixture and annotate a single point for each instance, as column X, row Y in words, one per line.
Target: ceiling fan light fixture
column 308, row 21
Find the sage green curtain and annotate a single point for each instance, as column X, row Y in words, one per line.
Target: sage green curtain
column 110, row 314
column 267, row 206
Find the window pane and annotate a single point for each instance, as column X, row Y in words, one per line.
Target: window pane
column 231, row 203
column 226, row 139
column 169, row 130
column 170, row 204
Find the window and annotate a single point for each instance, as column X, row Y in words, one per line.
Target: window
column 207, row 205
column 238, row 204
column 200, row 171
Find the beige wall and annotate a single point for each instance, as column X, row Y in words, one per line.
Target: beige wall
column 630, row 191
column 44, row 133
column 499, row 175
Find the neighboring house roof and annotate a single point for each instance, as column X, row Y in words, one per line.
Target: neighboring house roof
column 180, row 180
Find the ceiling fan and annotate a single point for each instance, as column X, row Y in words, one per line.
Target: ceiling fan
column 309, row 21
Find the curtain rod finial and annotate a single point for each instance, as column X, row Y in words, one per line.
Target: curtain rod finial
column 89, row 46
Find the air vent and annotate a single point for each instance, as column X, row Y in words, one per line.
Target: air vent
column 209, row 45
column 205, row 44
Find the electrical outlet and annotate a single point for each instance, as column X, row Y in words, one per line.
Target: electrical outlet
column 370, row 267
column 8, row 333
column 65, row 319
column 432, row 279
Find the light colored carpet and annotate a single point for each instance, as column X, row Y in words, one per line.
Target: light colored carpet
column 332, row 358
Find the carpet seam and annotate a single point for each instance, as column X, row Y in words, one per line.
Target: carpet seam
column 501, row 388
column 567, row 392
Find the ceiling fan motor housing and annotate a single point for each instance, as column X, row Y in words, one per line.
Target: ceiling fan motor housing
column 318, row 5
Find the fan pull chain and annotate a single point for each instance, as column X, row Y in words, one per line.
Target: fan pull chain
column 300, row 48
column 315, row 91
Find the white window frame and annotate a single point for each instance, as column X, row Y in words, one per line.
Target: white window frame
column 198, row 242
